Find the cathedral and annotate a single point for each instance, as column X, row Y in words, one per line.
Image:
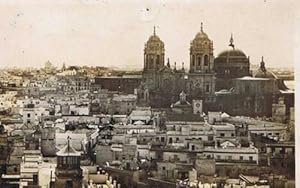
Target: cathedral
column 163, row 84
column 224, row 83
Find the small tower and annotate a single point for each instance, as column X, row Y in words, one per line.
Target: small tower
column 63, row 67
column 68, row 172
column 262, row 64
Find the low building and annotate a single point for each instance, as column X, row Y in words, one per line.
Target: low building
column 122, row 104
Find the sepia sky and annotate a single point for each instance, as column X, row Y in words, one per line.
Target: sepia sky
column 113, row 33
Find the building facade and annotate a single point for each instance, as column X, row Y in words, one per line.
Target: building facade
column 164, row 83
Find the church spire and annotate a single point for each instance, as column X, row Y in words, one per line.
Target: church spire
column 231, row 41
column 154, row 30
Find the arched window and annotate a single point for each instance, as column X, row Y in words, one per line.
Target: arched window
column 151, row 63
column 199, row 61
column 157, row 61
column 206, row 60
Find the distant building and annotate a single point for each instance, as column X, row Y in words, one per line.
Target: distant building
column 48, row 147
column 122, row 104
column 125, row 83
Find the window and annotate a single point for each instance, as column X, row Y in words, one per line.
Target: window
column 206, row 60
column 207, row 87
column 199, row 61
column 250, row 158
column 193, row 147
column 222, row 134
column 241, row 158
column 229, row 157
column 218, row 157
column 28, row 115
column 163, row 168
column 232, row 135
column 247, row 89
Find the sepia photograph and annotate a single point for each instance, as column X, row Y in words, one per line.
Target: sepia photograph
column 148, row 93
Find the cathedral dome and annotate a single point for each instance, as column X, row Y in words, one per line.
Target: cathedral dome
column 262, row 72
column 230, row 64
column 200, row 38
column 233, row 56
column 201, row 44
column 201, row 35
column 154, row 43
column 154, row 39
column 235, row 53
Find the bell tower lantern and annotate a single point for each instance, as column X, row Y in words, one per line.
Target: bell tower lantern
column 201, row 53
column 154, row 53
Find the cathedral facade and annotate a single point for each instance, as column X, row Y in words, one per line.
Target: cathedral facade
column 224, row 83
column 163, row 83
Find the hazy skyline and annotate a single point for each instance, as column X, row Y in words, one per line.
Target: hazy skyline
column 113, row 33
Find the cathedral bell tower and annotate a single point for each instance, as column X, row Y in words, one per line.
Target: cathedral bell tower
column 201, row 53
column 201, row 84
column 154, row 55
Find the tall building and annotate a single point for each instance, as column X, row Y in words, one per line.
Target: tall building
column 68, row 172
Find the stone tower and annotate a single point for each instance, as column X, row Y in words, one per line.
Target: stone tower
column 201, row 53
column 68, row 172
column 154, row 55
column 201, row 76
